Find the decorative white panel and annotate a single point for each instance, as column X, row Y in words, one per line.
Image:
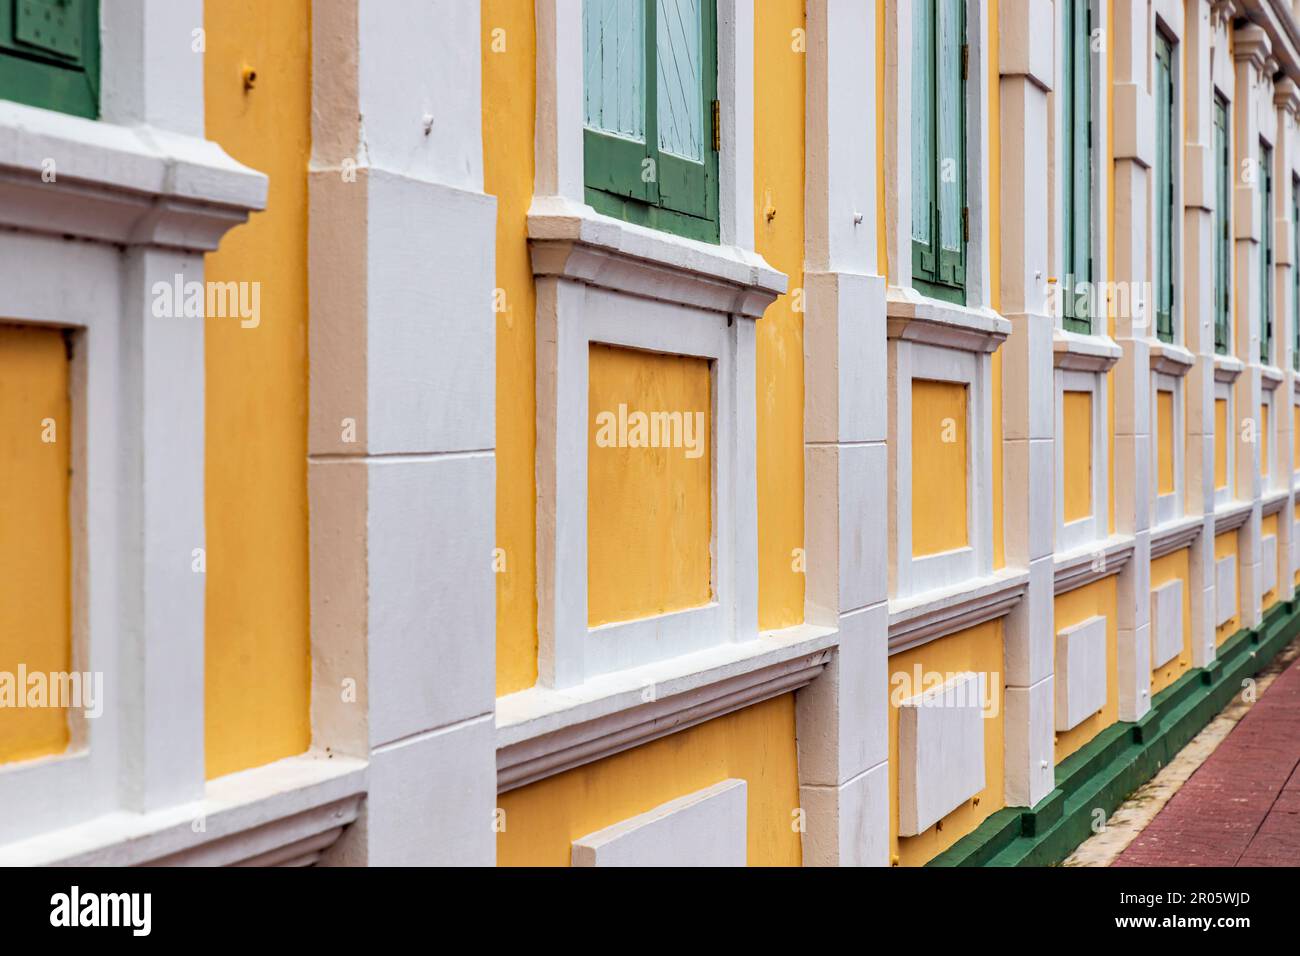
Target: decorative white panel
column 940, row 751
column 704, row 828
column 1268, row 563
column 1166, row 622
column 1080, row 672
column 1295, row 546
column 1225, row 589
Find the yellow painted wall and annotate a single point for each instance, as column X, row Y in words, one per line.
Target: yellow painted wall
column 756, row 745
column 258, row 666
column 509, row 101
column 1165, row 437
column 1097, row 599
column 940, row 483
column 1268, row 526
column 649, row 522
column 1222, row 435
column 1224, row 545
column 1170, row 567
column 35, row 534
column 1263, row 439
column 976, row 649
column 778, row 236
column 1076, row 419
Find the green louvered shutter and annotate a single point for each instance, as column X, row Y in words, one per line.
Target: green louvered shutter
column 49, row 54
column 1222, row 228
column 1266, row 254
column 1164, row 198
column 1076, row 129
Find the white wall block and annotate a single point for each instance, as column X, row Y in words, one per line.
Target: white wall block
column 1225, row 589
column 704, row 828
column 940, row 751
column 1268, row 563
column 848, row 825
column 1080, row 672
column 1166, row 622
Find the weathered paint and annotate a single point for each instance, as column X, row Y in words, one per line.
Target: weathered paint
column 940, row 482
column 1268, row 526
column 1165, row 435
column 1076, row 455
column 1175, row 566
column 977, row 649
column 778, row 235
column 1098, row 599
column 509, row 101
column 756, row 745
column 1222, row 435
column 258, row 655
column 35, row 531
column 1226, row 544
column 649, row 517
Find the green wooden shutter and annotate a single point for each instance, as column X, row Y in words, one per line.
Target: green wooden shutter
column 49, row 54
column 1222, row 228
column 1164, row 197
column 939, row 214
column 1075, row 101
column 1266, row 254
column 650, row 78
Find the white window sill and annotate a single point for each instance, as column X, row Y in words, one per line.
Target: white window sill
column 1270, row 376
column 1170, row 359
column 1231, row 516
column 286, row 812
column 1084, row 353
column 1274, row 501
column 121, row 184
column 927, row 617
column 918, row 318
column 1227, row 368
column 1091, row 562
column 574, row 241
column 542, row 731
column 1175, row 535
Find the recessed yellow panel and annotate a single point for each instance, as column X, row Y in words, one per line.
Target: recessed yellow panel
column 1222, row 435
column 1097, row 599
column 1076, row 456
column 757, row 745
column 977, row 649
column 1171, row 567
column 940, row 483
column 35, row 536
column 649, row 484
column 1165, row 435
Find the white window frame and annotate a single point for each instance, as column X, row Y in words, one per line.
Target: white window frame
column 1168, row 507
column 1226, row 495
column 1268, row 480
column 916, row 575
column 1095, row 526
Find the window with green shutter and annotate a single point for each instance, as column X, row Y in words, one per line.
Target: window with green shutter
column 1295, row 274
column 650, row 80
column 1164, row 197
column 1075, row 100
column 1222, row 228
column 1266, row 253
column 49, row 54
column 940, row 221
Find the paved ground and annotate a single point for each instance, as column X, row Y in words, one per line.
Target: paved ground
column 1241, row 807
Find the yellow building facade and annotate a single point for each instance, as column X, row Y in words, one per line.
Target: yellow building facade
column 636, row 432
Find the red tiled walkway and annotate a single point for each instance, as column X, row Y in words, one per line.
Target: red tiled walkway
column 1242, row 806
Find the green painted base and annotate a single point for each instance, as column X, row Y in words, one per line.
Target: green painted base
column 1101, row 775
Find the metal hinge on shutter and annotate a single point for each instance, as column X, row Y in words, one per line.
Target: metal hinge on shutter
column 965, row 60
column 965, row 223
column 717, row 125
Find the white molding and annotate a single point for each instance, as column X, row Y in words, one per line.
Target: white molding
column 541, row 731
column 918, row 318
column 1227, row 368
column 1232, row 516
column 1083, row 566
column 704, row 828
column 1084, row 353
column 1168, row 507
column 1224, row 391
column 1169, row 359
column 1095, row 526
column 1175, row 535
column 937, row 614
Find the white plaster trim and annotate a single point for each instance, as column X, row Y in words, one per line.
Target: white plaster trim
column 281, row 813
column 706, row 828
column 1074, row 569
column 1274, row 501
column 1232, row 517
column 918, row 318
column 1227, row 368
column 1270, row 377
column 1170, row 359
column 128, row 185
column 1095, row 526
column 541, row 731
column 1084, row 353
column 576, row 242
column 934, row 615
column 909, row 360
column 1175, row 536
